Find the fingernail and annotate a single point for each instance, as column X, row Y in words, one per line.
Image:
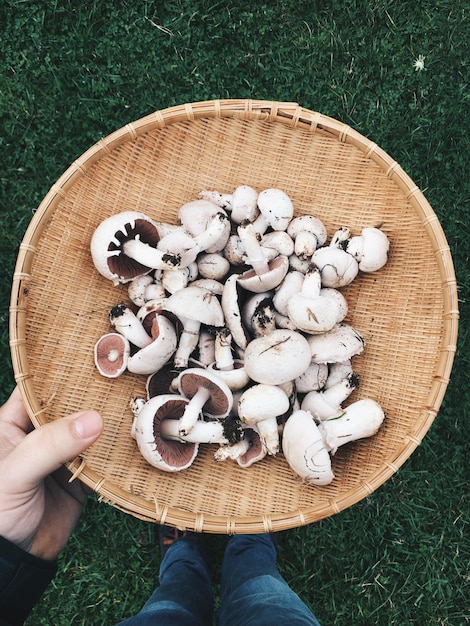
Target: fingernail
column 88, row 424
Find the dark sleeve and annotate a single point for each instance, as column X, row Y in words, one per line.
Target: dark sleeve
column 23, row 579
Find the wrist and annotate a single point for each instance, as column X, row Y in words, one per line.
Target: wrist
column 23, row 579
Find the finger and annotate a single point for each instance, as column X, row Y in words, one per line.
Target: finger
column 14, row 412
column 47, row 448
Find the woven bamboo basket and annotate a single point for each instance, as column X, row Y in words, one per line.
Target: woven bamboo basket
column 407, row 312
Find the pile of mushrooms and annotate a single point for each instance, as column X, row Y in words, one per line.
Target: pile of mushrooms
column 236, row 318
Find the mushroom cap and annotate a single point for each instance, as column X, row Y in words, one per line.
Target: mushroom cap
column 220, row 401
column 313, row 379
column 262, row 402
column 256, row 452
column 244, row 204
column 314, row 315
column 339, row 344
column 197, row 304
column 236, row 378
column 251, row 281
column 213, row 265
column 196, row 215
column 231, row 311
column 160, row 383
column 310, row 224
column 167, row 455
column 276, row 207
column 108, row 238
column 370, row 249
column 137, row 288
column 278, row 357
column 111, row 354
column 156, row 354
column 304, row 450
column 337, row 267
column 178, row 242
column 279, row 241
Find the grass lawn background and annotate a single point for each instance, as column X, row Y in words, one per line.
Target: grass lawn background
column 73, row 72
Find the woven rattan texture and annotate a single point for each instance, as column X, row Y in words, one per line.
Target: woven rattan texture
column 407, row 311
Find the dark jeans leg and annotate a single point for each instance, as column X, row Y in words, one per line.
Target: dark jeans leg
column 184, row 596
column 253, row 593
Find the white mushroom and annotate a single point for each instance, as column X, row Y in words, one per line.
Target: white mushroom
column 214, row 286
column 276, row 210
column 206, row 348
column 278, row 357
column 234, row 251
column 308, row 233
column 260, row 406
column 137, row 289
column 179, row 245
column 313, row 379
column 337, row 372
column 251, row 303
column 277, row 241
column 206, row 393
column 339, row 344
column 263, row 320
column 231, row 371
column 231, row 311
column 242, row 203
column 198, row 217
column 165, row 454
column 250, row 449
column 312, row 311
column 152, row 357
column 175, row 280
column 304, row 449
column 264, row 275
column 125, row 322
column 360, row 419
column 227, row 433
column 291, row 285
column 370, row 249
column 112, row 243
column 213, row 265
column 193, row 306
column 337, row 267
column 327, row 403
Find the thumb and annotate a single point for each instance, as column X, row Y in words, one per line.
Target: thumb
column 47, row 448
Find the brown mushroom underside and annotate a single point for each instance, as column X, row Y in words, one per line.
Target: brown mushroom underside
column 174, row 453
column 122, row 265
column 103, row 349
column 217, row 404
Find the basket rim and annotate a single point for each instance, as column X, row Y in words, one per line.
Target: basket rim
column 294, row 116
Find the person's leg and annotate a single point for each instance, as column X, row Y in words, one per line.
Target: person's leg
column 184, row 596
column 253, row 592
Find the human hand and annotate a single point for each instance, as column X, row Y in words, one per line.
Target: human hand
column 38, row 507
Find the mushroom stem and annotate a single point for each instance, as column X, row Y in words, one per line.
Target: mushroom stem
column 213, row 232
column 150, row 256
column 223, row 349
column 327, row 403
column 311, row 285
column 340, row 238
column 234, row 451
column 193, row 410
column 188, row 342
column 361, row 419
column 127, row 324
column 202, row 432
column 253, row 250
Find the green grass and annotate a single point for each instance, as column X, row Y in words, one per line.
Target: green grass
column 72, row 72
